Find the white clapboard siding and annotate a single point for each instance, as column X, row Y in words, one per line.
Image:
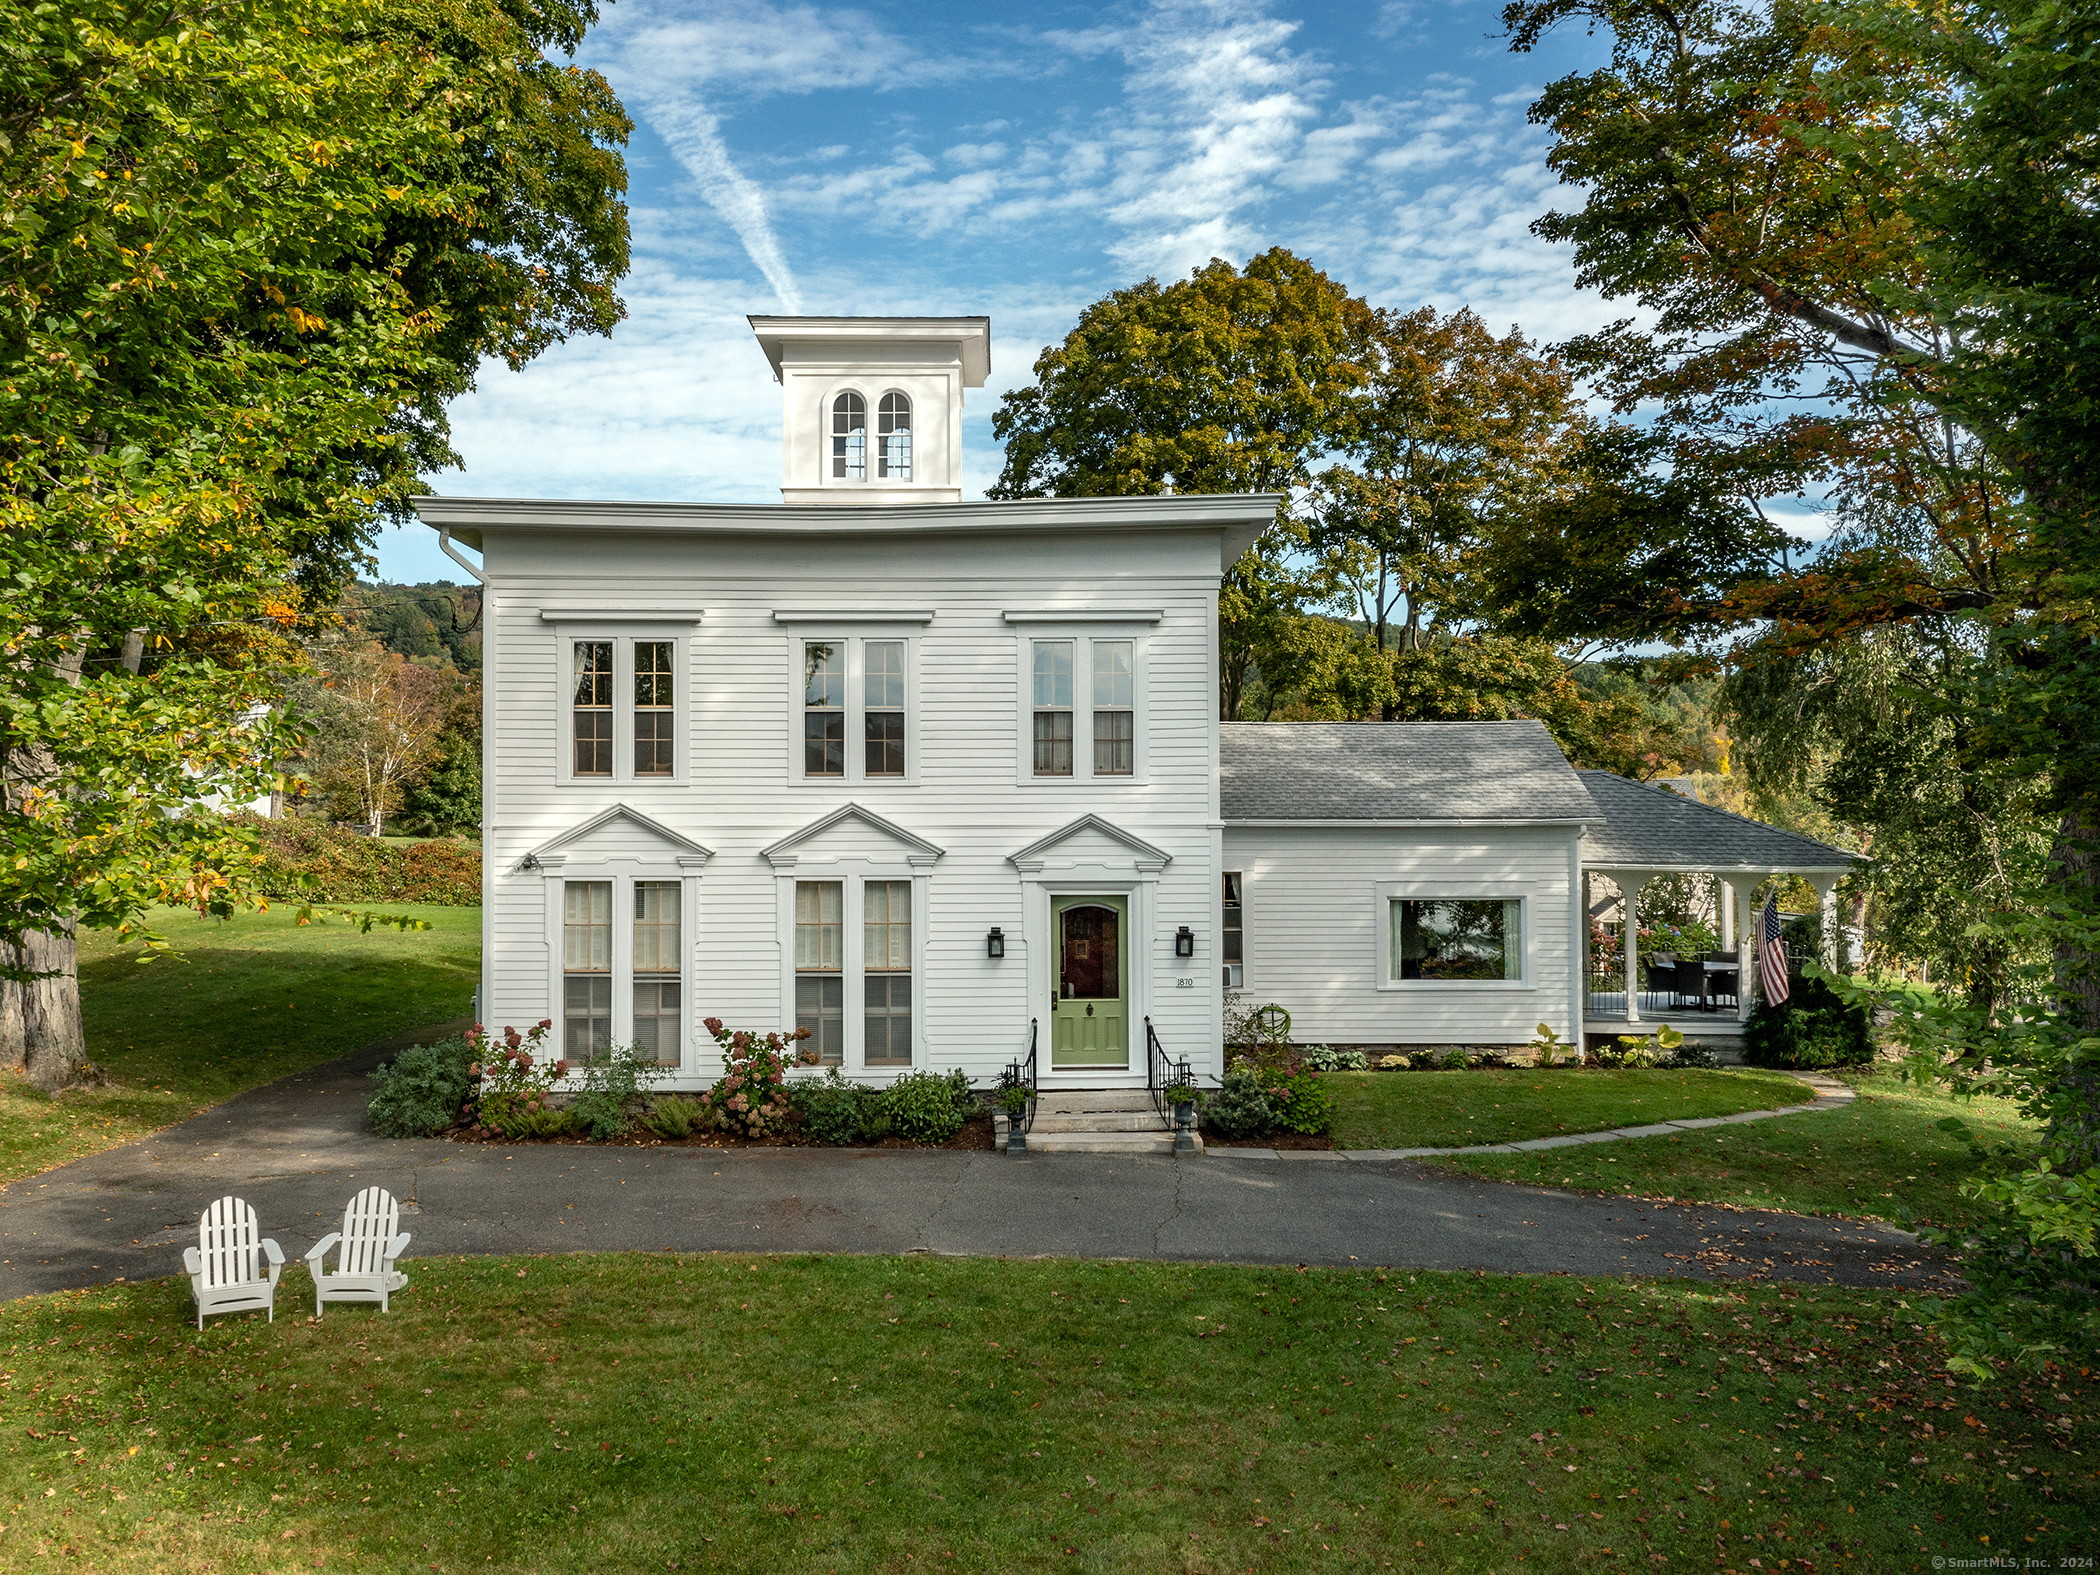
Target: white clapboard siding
column 1315, row 930
column 738, row 795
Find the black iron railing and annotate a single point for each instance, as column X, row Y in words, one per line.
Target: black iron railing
column 1021, row 1074
column 1162, row 1072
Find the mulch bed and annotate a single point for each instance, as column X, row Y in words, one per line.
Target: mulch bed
column 976, row 1133
column 1278, row 1140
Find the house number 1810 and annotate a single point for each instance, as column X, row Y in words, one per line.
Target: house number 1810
column 1184, row 984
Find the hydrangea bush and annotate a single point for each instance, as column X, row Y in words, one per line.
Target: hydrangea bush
column 517, row 1081
column 751, row 1095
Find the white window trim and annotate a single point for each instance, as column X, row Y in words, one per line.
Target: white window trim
column 1081, row 637
column 1388, row 892
column 1245, row 949
column 622, row 873
column 853, row 876
column 856, row 707
column 622, row 639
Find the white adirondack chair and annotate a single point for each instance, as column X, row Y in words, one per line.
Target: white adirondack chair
column 226, row 1266
column 368, row 1246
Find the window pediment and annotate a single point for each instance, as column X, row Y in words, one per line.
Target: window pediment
column 619, row 832
column 850, row 831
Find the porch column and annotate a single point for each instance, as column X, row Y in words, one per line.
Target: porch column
column 1630, row 888
column 1742, row 893
column 1724, row 911
column 1831, row 953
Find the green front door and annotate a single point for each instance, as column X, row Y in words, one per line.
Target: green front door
column 1089, row 1021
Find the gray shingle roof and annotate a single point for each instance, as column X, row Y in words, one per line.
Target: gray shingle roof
column 1397, row 771
column 1647, row 827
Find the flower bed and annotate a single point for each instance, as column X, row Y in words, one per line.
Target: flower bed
column 508, row 1089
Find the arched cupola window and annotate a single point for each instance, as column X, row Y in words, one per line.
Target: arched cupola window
column 893, row 458
column 849, row 437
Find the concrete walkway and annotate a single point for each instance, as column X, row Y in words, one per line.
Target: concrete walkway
column 1830, row 1093
column 298, row 1150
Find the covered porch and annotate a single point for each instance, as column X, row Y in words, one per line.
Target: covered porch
column 1652, row 832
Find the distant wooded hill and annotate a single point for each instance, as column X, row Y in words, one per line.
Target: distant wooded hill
column 420, row 621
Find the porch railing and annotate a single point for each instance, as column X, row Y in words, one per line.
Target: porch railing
column 1021, row 1074
column 1161, row 1071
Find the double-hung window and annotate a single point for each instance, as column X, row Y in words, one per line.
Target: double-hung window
column 886, row 972
column 855, row 698
column 586, row 969
column 656, row 968
column 823, row 709
column 1053, row 708
column 1084, row 718
column 882, row 714
column 1234, row 932
column 624, row 699
column 591, row 725
column 1115, row 713
column 820, row 967
column 622, row 962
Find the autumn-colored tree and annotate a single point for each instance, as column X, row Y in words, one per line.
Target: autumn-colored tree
column 250, row 251
column 374, row 724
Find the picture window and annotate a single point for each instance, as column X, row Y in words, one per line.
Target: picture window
column 1457, row 940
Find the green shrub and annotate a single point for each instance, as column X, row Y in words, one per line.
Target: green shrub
column 610, row 1092
column 1241, row 1108
column 421, row 1092
column 832, row 1110
column 525, row 1114
column 1452, row 1060
column 310, row 861
column 923, row 1108
column 672, row 1118
column 1324, row 1058
column 1691, row 1056
column 1812, row 1030
column 1304, row 1104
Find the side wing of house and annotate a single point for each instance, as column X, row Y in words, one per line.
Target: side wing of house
column 1407, row 883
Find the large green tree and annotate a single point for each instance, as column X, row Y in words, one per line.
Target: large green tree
column 1233, row 380
column 1866, row 238
column 247, row 253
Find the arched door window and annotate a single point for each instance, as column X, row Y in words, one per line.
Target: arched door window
column 849, row 438
column 893, row 458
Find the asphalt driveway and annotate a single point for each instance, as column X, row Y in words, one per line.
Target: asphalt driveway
column 298, row 1149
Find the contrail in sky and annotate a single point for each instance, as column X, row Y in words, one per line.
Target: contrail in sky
column 693, row 133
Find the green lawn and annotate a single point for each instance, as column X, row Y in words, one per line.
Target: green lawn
column 652, row 1412
column 1880, row 1157
column 250, row 999
column 1454, row 1109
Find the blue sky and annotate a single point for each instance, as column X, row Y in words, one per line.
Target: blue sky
column 881, row 159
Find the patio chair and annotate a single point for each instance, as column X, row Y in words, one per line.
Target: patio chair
column 1691, row 980
column 1727, row 981
column 1659, row 975
column 226, row 1266
column 367, row 1246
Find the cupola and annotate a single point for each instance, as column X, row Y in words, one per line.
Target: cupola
column 872, row 406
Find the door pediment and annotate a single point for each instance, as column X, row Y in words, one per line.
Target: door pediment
column 1091, row 843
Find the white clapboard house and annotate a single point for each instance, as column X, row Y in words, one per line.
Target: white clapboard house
column 944, row 781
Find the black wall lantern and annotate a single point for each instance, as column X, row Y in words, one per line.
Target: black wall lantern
column 1184, row 942
column 995, row 943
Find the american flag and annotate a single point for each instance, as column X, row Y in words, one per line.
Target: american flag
column 1771, row 956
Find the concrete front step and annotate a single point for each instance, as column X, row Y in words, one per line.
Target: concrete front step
column 1041, row 1142
column 1099, row 1121
column 1074, row 1101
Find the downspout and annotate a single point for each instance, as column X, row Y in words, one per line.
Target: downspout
column 445, row 546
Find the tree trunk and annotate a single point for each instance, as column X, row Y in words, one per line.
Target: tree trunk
column 2074, row 868
column 13, row 1031
column 54, row 1041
